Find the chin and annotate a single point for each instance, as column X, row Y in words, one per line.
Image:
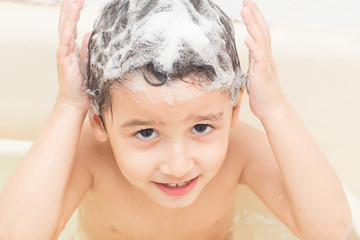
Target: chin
column 176, row 202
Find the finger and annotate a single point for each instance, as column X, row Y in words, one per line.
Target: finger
column 251, row 63
column 262, row 21
column 73, row 47
column 250, row 57
column 257, row 56
column 260, row 18
column 79, row 2
column 72, row 19
column 64, row 12
column 83, row 56
column 84, row 47
column 251, row 44
column 63, row 49
column 253, row 26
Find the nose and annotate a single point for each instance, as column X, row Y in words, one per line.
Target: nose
column 178, row 162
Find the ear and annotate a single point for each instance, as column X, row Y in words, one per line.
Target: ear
column 97, row 127
column 235, row 111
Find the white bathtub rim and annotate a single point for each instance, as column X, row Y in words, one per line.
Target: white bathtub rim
column 355, row 209
column 9, row 147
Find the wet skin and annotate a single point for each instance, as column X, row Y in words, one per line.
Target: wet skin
column 124, row 202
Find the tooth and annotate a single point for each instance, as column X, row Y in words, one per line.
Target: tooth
column 173, row 185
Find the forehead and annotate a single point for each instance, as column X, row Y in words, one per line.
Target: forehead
column 178, row 97
column 174, row 91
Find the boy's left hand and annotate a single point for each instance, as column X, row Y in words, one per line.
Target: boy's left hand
column 265, row 93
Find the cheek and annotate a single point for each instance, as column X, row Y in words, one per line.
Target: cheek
column 213, row 155
column 136, row 166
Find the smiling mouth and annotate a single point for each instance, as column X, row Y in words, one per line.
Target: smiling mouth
column 177, row 189
column 174, row 185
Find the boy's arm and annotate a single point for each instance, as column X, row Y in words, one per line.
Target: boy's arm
column 313, row 203
column 32, row 201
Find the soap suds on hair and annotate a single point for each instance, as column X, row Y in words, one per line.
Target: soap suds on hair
column 174, row 37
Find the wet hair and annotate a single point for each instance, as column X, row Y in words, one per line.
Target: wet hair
column 164, row 40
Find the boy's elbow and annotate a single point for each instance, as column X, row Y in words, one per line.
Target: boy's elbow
column 15, row 231
column 336, row 230
column 343, row 228
column 340, row 232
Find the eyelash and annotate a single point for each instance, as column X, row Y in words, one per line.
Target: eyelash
column 138, row 133
column 203, row 125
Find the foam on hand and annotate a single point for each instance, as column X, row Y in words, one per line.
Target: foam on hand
column 174, row 36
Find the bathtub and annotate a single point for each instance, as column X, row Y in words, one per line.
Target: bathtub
column 252, row 220
column 319, row 73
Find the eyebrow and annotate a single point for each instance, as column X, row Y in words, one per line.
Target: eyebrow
column 136, row 123
column 207, row 117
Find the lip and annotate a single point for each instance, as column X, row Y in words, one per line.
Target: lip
column 177, row 191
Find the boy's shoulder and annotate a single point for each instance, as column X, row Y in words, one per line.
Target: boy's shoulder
column 246, row 139
column 248, row 145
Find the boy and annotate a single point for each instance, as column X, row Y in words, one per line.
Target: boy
column 163, row 151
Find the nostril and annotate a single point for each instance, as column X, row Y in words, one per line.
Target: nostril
column 164, row 169
column 177, row 169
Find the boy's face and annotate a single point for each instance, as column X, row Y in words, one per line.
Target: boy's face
column 168, row 135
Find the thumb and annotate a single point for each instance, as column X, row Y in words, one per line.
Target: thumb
column 84, row 55
column 84, row 47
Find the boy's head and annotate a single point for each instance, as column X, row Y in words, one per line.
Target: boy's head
column 162, row 40
column 168, row 68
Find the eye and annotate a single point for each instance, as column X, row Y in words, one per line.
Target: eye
column 146, row 134
column 202, row 128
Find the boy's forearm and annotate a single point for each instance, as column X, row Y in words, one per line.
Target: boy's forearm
column 314, row 190
column 31, row 201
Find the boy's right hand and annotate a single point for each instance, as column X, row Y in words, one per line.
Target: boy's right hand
column 71, row 60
